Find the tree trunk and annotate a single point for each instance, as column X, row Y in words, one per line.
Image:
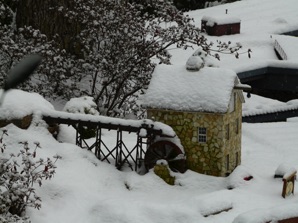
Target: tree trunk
column 45, row 16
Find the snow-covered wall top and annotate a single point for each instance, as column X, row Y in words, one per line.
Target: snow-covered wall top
column 18, row 104
column 175, row 88
column 166, row 130
column 220, row 20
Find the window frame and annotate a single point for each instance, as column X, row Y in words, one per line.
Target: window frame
column 202, row 135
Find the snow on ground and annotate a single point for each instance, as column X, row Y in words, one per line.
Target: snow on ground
column 260, row 20
column 87, row 190
column 265, row 16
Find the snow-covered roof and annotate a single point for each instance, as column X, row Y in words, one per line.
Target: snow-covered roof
column 257, row 105
column 288, row 45
column 176, row 88
column 220, row 19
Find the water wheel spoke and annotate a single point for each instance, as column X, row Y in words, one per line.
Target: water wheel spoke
column 168, row 151
column 177, row 165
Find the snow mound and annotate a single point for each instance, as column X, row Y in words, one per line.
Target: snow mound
column 283, row 169
column 274, row 214
column 194, row 63
column 293, row 102
column 280, row 21
column 18, row 104
column 239, row 177
column 215, row 203
column 200, row 59
column 81, row 105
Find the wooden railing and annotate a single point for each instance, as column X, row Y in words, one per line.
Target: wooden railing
column 121, row 154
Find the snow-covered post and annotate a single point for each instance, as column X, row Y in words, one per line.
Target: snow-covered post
column 289, row 183
column 162, row 170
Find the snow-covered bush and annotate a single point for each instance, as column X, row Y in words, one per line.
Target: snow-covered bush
column 81, row 105
column 19, row 173
column 199, row 59
column 9, row 218
column 6, row 14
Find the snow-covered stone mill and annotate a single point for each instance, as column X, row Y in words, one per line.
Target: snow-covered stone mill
column 204, row 106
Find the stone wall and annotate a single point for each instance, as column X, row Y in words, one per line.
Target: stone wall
column 233, row 145
column 209, row 157
column 22, row 123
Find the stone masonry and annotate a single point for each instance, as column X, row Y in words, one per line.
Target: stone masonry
column 221, row 152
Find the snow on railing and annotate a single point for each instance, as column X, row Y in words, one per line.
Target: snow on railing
column 110, row 121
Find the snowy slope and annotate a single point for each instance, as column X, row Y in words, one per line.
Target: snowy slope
column 87, row 190
column 259, row 21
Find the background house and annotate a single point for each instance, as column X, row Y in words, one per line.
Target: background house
column 220, row 25
column 204, row 108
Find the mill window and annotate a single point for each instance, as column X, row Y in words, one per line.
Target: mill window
column 202, row 136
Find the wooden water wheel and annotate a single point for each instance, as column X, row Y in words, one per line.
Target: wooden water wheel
column 165, row 150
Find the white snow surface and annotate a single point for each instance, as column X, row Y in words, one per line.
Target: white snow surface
column 16, row 104
column 176, row 88
column 87, row 190
column 269, row 215
column 256, row 105
column 82, row 105
column 283, row 170
column 262, row 21
column 289, row 44
column 110, row 120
